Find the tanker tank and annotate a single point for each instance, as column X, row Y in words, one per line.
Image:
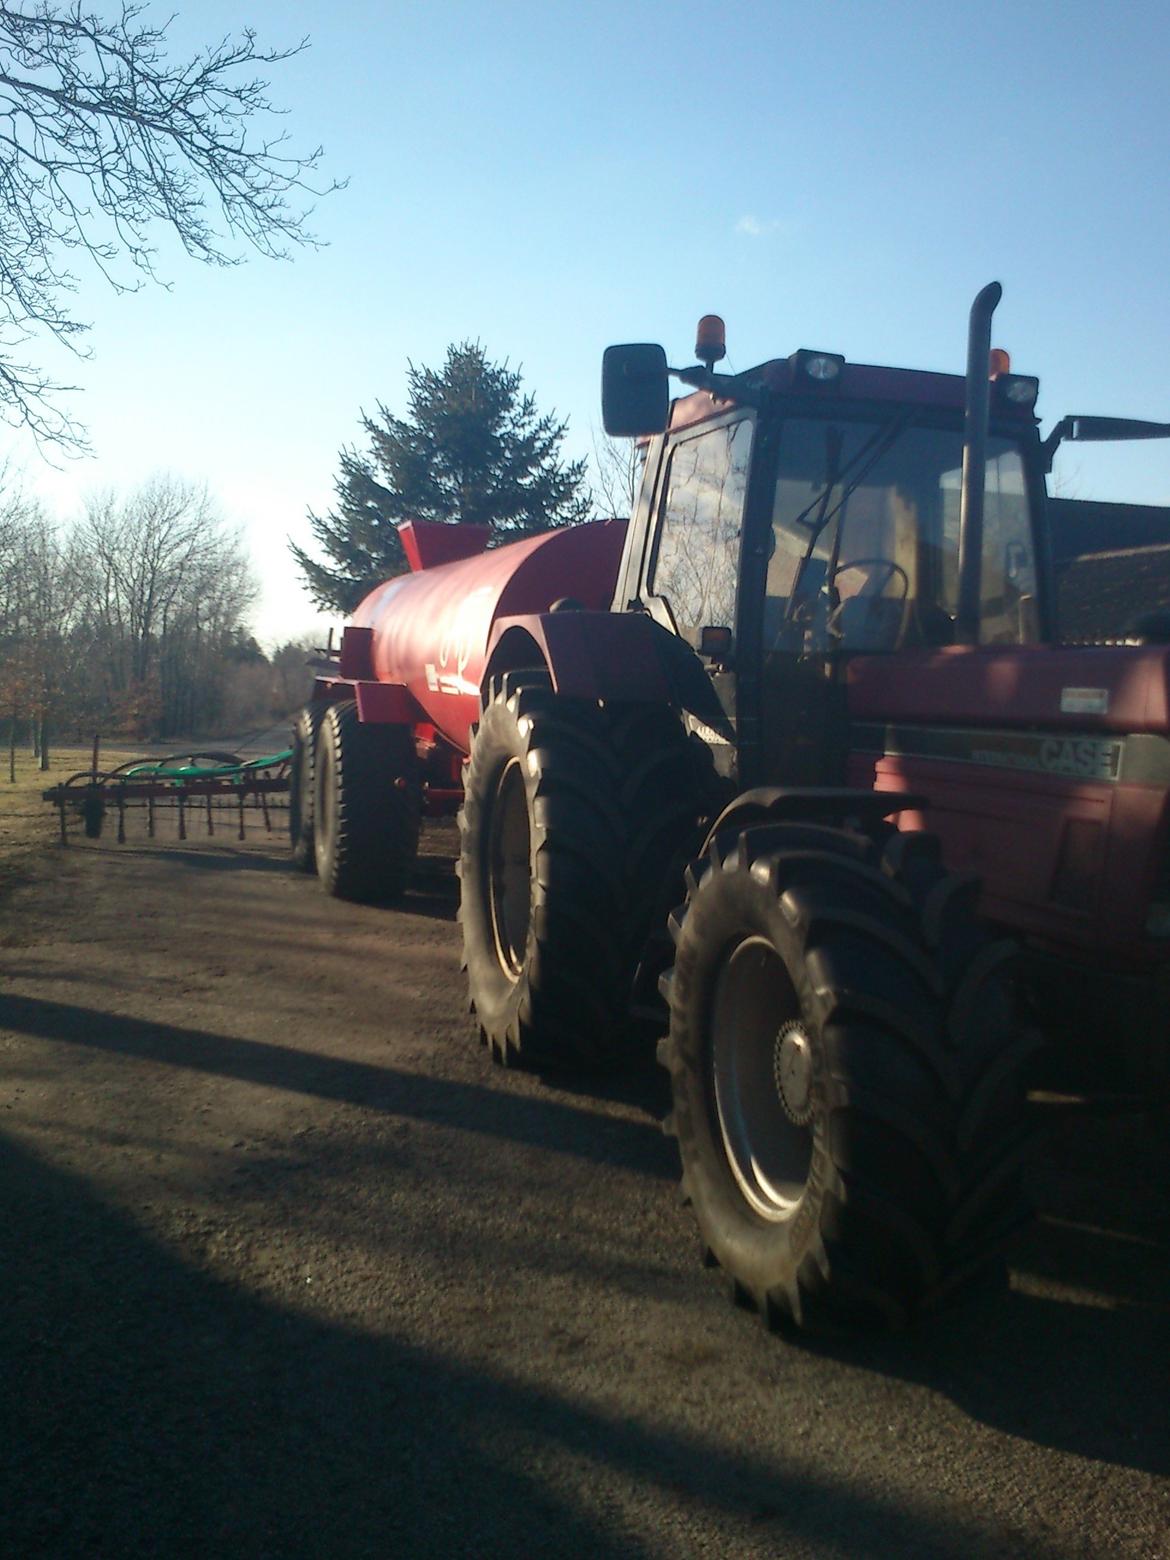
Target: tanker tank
column 431, row 628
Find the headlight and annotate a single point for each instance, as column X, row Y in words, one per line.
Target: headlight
column 1017, row 389
column 820, row 367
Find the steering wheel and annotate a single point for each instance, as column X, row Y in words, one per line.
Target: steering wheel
column 870, row 624
column 884, row 570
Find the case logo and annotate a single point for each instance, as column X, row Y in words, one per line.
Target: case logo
column 1084, row 757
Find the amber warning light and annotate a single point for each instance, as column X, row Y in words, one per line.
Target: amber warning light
column 711, row 340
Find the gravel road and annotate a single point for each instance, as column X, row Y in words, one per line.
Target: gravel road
column 290, row 1269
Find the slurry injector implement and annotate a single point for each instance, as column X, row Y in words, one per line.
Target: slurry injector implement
column 195, row 788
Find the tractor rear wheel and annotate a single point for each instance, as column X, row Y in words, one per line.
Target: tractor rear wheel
column 571, row 813
column 365, row 806
column 301, row 786
column 845, row 1070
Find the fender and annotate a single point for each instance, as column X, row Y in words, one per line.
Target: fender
column 378, row 703
column 798, row 804
column 613, row 656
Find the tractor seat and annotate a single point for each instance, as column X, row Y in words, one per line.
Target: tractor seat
column 869, row 623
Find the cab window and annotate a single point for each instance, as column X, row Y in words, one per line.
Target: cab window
column 1008, row 580
column 866, row 538
column 696, row 562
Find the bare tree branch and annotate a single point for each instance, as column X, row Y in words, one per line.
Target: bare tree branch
column 617, row 474
column 105, row 139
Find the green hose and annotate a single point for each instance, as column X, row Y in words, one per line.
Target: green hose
column 168, row 769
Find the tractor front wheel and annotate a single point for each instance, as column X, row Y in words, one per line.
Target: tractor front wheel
column 845, row 1071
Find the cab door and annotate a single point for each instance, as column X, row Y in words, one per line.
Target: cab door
column 692, row 569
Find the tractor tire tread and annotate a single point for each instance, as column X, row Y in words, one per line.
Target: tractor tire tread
column 922, row 1090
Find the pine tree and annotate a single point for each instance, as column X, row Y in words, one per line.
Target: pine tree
column 472, row 449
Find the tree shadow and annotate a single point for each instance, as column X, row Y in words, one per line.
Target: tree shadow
column 150, row 1409
column 1073, row 1358
column 499, row 1113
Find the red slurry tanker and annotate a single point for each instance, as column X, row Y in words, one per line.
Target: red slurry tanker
column 790, row 767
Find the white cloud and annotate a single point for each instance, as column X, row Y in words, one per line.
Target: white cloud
column 753, row 227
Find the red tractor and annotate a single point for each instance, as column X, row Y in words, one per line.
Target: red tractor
column 702, row 752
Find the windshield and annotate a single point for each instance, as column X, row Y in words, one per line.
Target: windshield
column 866, row 539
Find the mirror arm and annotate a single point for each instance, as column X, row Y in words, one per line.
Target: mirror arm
column 1051, row 444
column 701, row 377
column 1100, row 430
column 724, row 387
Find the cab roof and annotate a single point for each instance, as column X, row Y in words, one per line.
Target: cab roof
column 857, row 382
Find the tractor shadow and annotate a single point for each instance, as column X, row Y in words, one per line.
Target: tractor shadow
column 637, row 1082
column 1074, row 1354
column 202, row 856
column 434, row 887
column 433, row 891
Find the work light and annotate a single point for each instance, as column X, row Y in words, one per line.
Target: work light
column 1017, row 389
column 819, row 368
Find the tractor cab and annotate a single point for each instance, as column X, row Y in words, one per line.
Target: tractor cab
column 859, row 555
column 811, row 510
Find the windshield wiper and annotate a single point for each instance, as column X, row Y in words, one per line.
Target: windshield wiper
column 877, row 445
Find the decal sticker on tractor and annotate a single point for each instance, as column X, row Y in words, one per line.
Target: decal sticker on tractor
column 1079, row 757
column 1084, row 701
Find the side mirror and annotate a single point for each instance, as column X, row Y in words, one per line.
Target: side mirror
column 1096, row 430
column 715, row 642
column 635, row 396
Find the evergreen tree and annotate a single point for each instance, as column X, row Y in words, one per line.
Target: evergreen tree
column 472, row 449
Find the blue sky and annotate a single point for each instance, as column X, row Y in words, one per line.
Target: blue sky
column 548, row 179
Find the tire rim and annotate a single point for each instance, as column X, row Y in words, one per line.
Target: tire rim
column 509, row 869
column 762, row 1073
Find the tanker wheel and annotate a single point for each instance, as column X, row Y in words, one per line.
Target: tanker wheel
column 365, row 806
column 846, row 1074
column 301, row 786
column 570, row 814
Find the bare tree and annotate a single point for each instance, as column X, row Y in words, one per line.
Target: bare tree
column 292, row 676
column 617, row 471
column 167, row 587
column 106, row 139
column 15, row 520
column 36, row 606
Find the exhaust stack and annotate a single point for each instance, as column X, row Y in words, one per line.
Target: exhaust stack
column 974, row 463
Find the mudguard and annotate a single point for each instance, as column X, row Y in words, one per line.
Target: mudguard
column 616, row 657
